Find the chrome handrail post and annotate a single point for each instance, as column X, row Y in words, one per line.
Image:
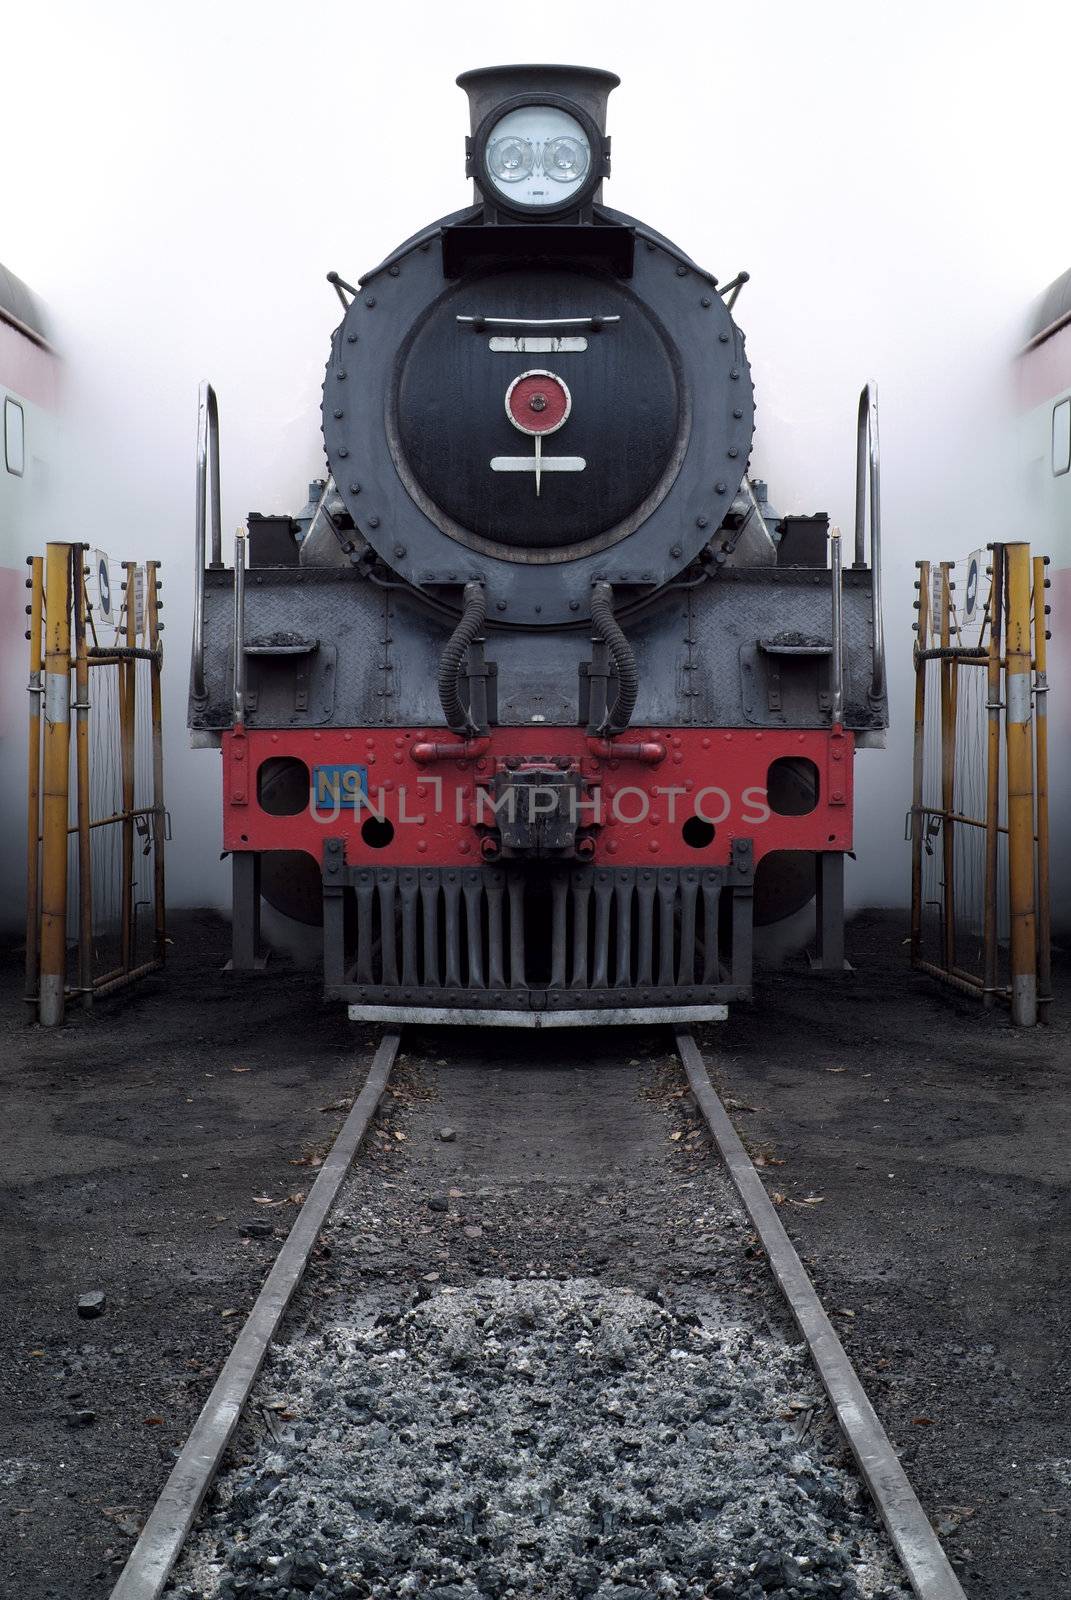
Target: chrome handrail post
column 239, row 629
column 207, row 454
column 837, row 629
column 868, row 454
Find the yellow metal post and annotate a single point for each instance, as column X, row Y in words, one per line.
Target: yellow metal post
column 57, row 750
column 81, row 757
column 127, row 713
column 1020, row 757
column 1041, row 766
column 992, row 801
column 948, row 774
column 159, row 813
column 918, row 772
column 33, row 790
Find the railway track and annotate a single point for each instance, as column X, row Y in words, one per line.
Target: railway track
column 656, row 1357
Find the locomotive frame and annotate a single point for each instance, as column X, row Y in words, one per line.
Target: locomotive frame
column 523, row 775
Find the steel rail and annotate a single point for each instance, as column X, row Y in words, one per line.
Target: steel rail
column 925, row 1563
column 164, row 1534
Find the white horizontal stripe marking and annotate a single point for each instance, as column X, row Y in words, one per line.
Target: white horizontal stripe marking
column 544, row 463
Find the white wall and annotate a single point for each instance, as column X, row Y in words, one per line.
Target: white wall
column 178, row 182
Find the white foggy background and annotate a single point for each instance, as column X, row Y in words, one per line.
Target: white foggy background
column 177, row 182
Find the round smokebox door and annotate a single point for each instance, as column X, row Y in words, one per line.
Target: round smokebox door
column 521, row 433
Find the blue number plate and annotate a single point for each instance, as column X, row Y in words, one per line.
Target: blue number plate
column 335, row 787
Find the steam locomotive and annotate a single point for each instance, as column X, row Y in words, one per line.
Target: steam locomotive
column 537, row 705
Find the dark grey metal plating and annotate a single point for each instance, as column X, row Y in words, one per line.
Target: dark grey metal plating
column 709, row 424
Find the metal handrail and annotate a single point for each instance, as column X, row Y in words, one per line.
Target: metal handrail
column 207, row 447
column 867, row 451
column 239, row 629
column 837, row 628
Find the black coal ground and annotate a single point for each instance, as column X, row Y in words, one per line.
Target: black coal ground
column 541, row 1357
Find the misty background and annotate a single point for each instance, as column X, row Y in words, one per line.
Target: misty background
column 177, row 183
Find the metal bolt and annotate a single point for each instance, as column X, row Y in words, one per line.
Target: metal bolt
column 723, row 338
column 373, row 522
column 720, row 487
column 338, row 411
column 341, row 374
column 701, row 522
column 342, row 450
column 733, row 451
column 734, row 372
column 574, row 605
column 370, row 302
column 738, row 412
column 355, row 488
column 706, row 302
column 351, row 338
column 675, row 550
column 538, row 402
column 394, row 271
column 682, row 272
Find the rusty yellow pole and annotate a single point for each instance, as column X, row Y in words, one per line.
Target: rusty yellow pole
column 159, row 813
column 1041, row 766
column 81, row 760
column 918, row 760
column 127, row 712
column 992, row 799
column 33, row 790
column 948, row 775
column 57, row 753
column 1020, row 760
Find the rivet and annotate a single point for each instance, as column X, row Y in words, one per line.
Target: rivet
column 738, row 412
column 675, row 550
column 651, row 244
column 706, row 302
column 373, row 522
column 682, row 272
column 734, row 372
column 723, row 338
column 399, row 549
column 701, row 522
column 342, row 450
column 341, row 374
column 370, row 302
column 500, row 605
column 733, row 451
column 351, row 338
column 574, row 605
column 338, row 411
column 355, row 488
column 394, row 271
column 720, row 487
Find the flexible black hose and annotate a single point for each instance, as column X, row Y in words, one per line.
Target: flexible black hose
column 458, row 718
column 606, row 626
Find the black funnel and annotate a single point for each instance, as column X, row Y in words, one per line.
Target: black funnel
column 587, row 87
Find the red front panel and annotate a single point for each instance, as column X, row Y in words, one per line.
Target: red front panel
column 434, row 810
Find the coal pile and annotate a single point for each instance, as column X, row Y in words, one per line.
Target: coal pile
column 537, row 1438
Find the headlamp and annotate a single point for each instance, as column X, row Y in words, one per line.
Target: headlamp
column 538, row 155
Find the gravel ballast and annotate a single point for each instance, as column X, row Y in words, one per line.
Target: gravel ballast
column 449, row 1416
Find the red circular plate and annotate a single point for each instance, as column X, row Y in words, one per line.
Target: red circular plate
column 537, row 402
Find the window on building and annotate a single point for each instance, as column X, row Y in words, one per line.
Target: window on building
column 14, row 438
column 1061, row 437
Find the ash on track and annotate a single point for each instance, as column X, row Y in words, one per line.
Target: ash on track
column 538, row 1357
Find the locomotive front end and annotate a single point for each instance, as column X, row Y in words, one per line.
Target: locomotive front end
column 538, row 705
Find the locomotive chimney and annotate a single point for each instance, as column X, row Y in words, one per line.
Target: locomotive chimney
column 587, row 87
column 536, row 123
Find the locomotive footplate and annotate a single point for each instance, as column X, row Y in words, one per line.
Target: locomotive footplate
column 523, row 944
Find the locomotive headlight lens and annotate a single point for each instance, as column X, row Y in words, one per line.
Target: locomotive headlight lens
column 565, row 160
column 510, row 159
column 537, row 156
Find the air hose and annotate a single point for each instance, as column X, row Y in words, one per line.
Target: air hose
column 609, row 631
column 458, row 717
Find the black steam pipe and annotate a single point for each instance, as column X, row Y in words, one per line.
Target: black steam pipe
column 609, row 631
column 457, row 714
